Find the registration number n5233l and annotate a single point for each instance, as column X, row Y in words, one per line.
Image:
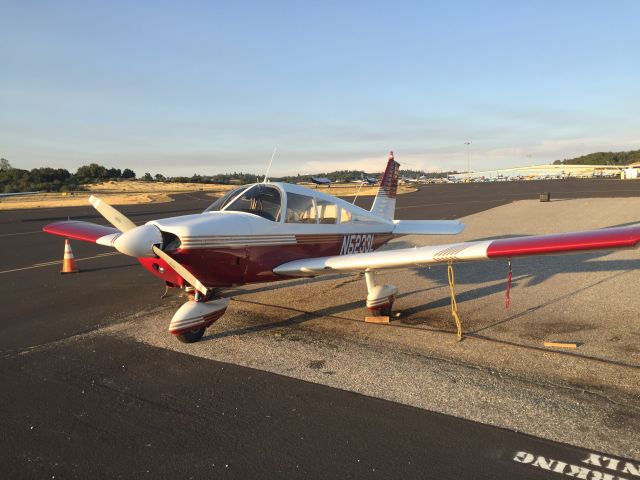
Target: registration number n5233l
column 357, row 243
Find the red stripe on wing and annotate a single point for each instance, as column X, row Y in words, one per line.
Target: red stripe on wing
column 85, row 231
column 607, row 238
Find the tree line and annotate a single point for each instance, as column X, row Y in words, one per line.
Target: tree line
column 48, row 179
column 603, row 158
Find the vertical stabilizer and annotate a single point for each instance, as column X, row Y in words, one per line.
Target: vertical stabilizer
column 384, row 204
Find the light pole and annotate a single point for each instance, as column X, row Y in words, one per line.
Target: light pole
column 468, row 143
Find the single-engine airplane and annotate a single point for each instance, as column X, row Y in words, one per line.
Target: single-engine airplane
column 273, row 231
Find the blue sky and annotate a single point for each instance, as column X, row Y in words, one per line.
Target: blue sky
column 209, row 87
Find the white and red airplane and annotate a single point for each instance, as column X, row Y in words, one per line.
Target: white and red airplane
column 273, row 231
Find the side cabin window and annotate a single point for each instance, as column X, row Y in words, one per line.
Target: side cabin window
column 300, row 209
column 261, row 200
column 345, row 215
column 327, row 211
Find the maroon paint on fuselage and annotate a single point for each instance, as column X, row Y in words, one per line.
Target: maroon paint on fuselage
column 162, row 270
column 263, row 259
column 224, row 267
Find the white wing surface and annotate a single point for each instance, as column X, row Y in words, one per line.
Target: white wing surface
column 605, row 239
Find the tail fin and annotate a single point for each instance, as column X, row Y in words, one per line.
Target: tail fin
column 384, row 204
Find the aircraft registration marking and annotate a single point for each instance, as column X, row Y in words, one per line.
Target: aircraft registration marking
column 357, row 243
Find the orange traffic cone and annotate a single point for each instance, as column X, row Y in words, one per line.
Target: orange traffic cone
column 68, row 264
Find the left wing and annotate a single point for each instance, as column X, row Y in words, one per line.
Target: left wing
column 85, row 231
column 604, row 239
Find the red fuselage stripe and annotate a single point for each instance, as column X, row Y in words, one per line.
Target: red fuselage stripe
column 607, row 238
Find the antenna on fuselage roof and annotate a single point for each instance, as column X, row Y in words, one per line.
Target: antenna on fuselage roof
column 266, row 175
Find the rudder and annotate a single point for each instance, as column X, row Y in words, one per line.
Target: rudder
column 384, row 205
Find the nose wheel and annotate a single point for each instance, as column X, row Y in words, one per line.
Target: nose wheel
column 191, row 336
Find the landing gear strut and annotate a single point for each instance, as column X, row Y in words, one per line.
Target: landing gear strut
column 380, row 298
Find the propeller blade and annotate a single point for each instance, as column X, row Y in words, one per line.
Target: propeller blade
column 114, row 217
column 180, row 270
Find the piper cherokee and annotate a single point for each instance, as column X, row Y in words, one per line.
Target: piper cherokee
column 273, row 231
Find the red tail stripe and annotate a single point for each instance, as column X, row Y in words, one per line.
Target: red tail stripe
column 389, row 182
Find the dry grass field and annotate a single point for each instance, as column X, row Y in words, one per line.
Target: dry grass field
column 133, row 192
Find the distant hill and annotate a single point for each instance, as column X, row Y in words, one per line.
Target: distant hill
column 603, row 158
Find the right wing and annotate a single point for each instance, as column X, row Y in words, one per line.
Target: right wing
column 604, row 239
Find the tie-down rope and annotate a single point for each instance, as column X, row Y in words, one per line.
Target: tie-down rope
column 454, row 305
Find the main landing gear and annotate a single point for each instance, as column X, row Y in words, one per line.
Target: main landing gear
column 380, row 297
column 195, row 316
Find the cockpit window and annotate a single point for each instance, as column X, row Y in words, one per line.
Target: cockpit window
column 300, row 209
column 261, row 200
column 220, row 203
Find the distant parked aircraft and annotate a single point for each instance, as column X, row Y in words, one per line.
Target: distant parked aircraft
column 321, row 181
column 17, row 193
column 366, row 180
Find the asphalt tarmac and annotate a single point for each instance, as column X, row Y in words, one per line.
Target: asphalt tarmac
column 77, row 404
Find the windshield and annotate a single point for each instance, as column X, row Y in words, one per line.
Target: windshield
column 226, row 198
column 262, row 200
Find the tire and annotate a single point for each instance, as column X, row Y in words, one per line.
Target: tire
column 192, row 336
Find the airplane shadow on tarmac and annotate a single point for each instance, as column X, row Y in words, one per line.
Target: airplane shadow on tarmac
column 528, row 271
column 298, row 319
column 113, row 267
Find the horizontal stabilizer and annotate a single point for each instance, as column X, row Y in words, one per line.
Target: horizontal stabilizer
column 85, row 231
column 427, row 227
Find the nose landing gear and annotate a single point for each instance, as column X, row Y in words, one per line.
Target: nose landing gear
column 195, row 316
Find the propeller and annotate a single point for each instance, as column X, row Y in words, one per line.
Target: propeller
column 142, row 241
column 114, row 217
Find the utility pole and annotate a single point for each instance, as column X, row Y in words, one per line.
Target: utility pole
column 468, row 143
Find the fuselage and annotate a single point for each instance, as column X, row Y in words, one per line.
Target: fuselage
column 258, row 227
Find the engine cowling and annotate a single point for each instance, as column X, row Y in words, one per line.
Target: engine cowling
column 138, row 242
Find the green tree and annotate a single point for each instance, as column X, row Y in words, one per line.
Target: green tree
column 4, row 164
column 128, row 173
column 114, row 173
column 48, row 175
column 147, row 177
column 92, row 172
